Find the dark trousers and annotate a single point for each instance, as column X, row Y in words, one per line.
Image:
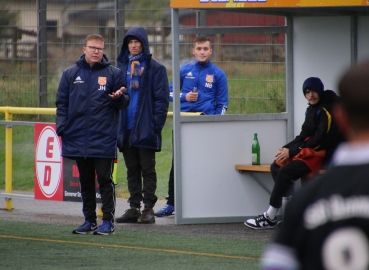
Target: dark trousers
column 141, row 175
column 170, row 198
column 284, row 178
column 104, row 170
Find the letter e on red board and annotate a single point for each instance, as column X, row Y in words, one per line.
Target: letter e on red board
column 48, row 163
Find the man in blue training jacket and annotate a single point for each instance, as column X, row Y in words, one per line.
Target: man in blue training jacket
column 204, row 88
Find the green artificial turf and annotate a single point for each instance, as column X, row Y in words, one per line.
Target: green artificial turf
column 48, row 246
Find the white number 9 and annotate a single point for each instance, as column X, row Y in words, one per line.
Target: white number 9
column 346, row 249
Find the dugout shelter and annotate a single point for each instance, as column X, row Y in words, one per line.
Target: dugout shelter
column 322, row 39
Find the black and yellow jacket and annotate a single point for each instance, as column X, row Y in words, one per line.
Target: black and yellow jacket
column 319, row 130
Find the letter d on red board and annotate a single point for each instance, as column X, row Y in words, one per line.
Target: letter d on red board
column 48, row 172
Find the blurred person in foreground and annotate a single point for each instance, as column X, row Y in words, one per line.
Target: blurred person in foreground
column 204, row 88
column 89, row 97
column 306, row 154
column 326, row 225
column 141, row 124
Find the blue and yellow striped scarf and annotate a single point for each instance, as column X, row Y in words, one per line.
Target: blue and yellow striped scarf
column 137, row 68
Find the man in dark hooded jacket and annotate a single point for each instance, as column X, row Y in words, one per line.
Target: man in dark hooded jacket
column 304, row 155
column 140, row 125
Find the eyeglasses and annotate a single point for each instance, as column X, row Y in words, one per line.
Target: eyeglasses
column 94, row 49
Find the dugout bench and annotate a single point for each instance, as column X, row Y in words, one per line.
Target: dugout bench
column 264, row 168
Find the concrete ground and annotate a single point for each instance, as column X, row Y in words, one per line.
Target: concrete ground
column 27, row 209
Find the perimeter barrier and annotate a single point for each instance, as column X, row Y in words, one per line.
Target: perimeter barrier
column 9, row 112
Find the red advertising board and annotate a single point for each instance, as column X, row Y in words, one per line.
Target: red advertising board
column 55, row 178
column 48, row 172
column 71, row 184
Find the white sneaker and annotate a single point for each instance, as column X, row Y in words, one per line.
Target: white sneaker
column 261, row 222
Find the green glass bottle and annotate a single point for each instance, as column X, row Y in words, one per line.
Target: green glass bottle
column 255, row 150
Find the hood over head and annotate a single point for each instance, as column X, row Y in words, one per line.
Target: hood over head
column 138, row 33
column 329, row 96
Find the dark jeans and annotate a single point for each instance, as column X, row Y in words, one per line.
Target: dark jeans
column 170, row 198
column 104, row 170
column 284, row 178
column 141, row 175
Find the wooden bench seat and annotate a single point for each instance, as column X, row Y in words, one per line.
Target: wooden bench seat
column 253, row 168
column 264, row 168
column 259, row 168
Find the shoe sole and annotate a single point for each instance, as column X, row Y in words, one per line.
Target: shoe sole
column 101, row 233
column 163, row 215
column 151, row 221
column 127, row 221
column 259, row 228
column 76, row 232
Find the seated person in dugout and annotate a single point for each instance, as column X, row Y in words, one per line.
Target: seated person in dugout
column 337, row 238
column 306, row 154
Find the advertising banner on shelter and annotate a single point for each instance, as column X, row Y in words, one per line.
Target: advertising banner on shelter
column 55, row 178
column 264, row 3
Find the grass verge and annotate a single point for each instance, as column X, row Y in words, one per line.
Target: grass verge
column 50, row 246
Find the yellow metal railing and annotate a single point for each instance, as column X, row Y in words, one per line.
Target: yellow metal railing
column 9, row 111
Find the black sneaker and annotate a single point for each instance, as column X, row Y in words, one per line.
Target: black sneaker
column 147, row 216
column 261, row 222
column 130, row 216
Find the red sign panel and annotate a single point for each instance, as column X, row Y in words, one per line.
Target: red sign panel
column 71, row 182
column 48, row 172
column 55, row 178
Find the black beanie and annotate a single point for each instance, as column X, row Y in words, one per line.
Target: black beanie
column 315, row 84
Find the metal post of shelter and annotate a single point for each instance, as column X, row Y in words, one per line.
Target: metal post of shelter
column 42, row 53
column 290, row 109
column 176, row 115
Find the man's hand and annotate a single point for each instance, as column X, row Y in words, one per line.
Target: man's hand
column 117, row 93
column 192, row 96
column 282, row 154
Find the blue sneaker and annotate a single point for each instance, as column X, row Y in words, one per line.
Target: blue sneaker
column 167, row 210
column 105, row 228
column 85, row 228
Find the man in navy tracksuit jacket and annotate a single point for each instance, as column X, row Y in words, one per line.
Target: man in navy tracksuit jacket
column 140, row 125
column 88, row 101
column 204, row 88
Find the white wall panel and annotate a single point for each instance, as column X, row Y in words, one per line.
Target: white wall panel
column 211, row 187
column 321, row 49
column 363, row 38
